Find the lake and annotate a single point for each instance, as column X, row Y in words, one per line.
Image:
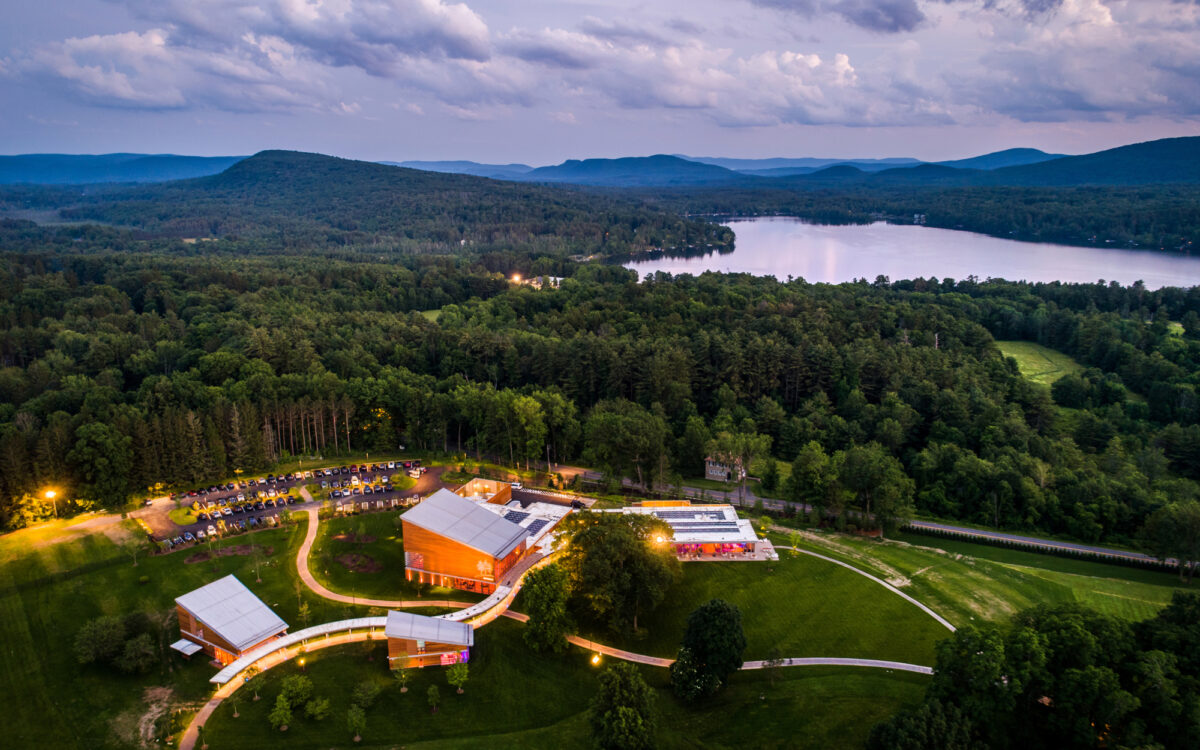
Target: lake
column 782, row 247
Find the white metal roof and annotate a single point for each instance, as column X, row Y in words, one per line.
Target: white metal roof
column 232, row 612
column 446, row 514
column 700, row 524
column 408, row 626
column 186, row 647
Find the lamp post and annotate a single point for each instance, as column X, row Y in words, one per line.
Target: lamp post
column 50, row 495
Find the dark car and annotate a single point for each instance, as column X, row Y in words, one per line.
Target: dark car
column 177, row 541
column 259, row 506
column 188, row 536
column 389, row 488
column 367, row 490
column 290, row 500
column 252, row 522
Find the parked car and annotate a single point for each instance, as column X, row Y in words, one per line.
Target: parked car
column 259, row 506
column 414, row 473
column 212, row 530
column 367, row 490
column 199, row 535
column 391, row 464
column 515, row 485
column 252, row 522
column 177, row 541
column 227, row 512
column 389, row 488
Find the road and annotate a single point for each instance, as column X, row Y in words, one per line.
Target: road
column 750, row 500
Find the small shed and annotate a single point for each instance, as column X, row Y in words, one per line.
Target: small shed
column 419, row 641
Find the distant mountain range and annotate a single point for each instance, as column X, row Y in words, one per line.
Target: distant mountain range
column 1169, row 160
column 76, row 169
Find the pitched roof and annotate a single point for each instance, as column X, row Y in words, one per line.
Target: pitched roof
column 433, row 629
column 232, row 612
column 446, row 514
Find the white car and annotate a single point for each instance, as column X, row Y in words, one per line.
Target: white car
column 212, row 530
column 515, row 485
column 391, row 464
column 199, row 535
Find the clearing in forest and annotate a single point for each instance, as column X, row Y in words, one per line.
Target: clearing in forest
column 1039, row 363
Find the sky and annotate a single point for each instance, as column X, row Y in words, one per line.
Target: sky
column 540, row 81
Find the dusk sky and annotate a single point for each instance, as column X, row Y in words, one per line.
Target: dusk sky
column 539, row 81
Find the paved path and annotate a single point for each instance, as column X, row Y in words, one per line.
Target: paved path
column 310, row 536
column 833, row 661
column 865, row 574
column 750, row 500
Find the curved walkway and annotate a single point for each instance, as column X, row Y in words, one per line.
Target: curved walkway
column 280, row 654
column 943, row 621
column 310, row 537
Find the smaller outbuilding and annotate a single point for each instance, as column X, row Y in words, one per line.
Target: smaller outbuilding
column 224, row 619
column 419, row 641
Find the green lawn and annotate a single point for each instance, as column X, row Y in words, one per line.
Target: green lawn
column 50, row 700
column 967, row 582
column 1039, row 363
column 363, row 555
column 801, row 605
column 516, row 698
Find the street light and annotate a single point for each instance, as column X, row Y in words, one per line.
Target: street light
column 595, row 660
column 50, row 495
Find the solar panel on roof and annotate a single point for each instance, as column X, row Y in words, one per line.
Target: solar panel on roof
column 537, row 526
column 515, row 516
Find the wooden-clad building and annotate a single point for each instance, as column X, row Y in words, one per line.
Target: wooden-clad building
column 225, row 620
column 419, row 641
column 452, row 541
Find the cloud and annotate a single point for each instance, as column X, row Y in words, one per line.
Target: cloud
column 886, row 16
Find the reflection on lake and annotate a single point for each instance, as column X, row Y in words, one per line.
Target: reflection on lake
column 782, row 247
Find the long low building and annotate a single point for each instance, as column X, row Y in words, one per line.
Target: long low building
column 419, row 641
column 708, row 531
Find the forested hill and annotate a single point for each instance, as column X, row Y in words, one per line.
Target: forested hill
column 291, row 200
column 77, row 169
column 639, row 170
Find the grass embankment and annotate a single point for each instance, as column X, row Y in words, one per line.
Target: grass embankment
column 363, row 555
column 801, row 605
column 967, row 582
column 516, row 698
column 1039, row 363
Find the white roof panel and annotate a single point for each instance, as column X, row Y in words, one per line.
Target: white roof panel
column 446, row 514
column 186, row 647
column 232, row 612
column 433, row 629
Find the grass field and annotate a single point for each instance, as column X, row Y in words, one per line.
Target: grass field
column 967, row 582
column 363, row 555
column 50, row 700
column 801, row 605
column 1039, row 363
column 806, row 708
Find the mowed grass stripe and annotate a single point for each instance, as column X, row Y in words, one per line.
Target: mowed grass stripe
column 1039, row 363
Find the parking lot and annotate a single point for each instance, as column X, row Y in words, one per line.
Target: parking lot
column 256, row 502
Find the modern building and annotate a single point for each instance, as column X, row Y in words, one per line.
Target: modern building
column 720, row 472
column 224, row 619
column 706, row 531
column 470, row 543
column 419, row 641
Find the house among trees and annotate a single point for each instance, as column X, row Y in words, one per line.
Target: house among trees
column 224, row 619
column 721, row 472
column 706, row 531
column 470, row 543
column 419, row 641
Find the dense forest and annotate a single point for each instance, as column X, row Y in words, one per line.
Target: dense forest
column 1061, row 677
column 130, row 363
column 1153, row 217
column 282, row 201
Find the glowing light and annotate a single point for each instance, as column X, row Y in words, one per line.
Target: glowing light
column 517, row 277
column 659, row 540
column 595, row 659
column 51, row 494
